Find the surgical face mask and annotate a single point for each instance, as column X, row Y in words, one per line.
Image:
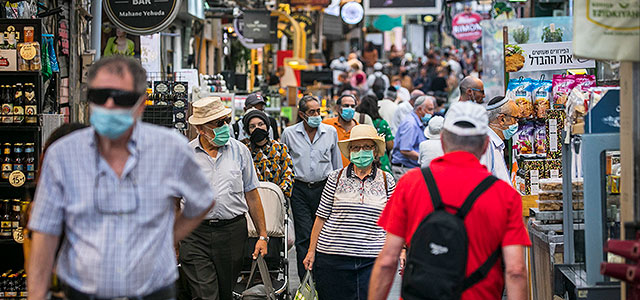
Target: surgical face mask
column 510, row 131
column 314, row 121
column 442, row 110
column 221, row 137
column 426, row 118
column 397, row 87
column 347, row 113
column 362, row 158
column 111, row 123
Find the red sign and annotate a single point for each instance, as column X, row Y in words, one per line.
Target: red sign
column 466, row 26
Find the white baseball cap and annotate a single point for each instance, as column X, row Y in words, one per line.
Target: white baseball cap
column 377, row 66
column 466, row 119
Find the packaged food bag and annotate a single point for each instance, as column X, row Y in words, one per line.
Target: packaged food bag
column 562, row 85
column 541, row 96
column 519, row 91
column 307, row 289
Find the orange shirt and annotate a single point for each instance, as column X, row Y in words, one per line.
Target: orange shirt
column 342, row 134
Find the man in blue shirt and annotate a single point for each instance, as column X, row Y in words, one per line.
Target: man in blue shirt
column 112, row 190
column 410, row 134
column 313, row 147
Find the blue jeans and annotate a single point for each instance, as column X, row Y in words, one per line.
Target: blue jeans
column 342, row 277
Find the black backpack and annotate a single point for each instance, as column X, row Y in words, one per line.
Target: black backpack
column 378, row 85
column 437, row 259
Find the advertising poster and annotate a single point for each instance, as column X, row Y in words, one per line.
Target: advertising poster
column 543, row 57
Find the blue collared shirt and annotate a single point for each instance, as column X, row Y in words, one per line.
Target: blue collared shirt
column 408, row 138
column 231, row 174
column 313, row 161
column 118, row 230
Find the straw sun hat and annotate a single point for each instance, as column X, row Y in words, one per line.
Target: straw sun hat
column 208, row 109
column 362, row 132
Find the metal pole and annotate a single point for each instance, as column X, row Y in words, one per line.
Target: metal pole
column 96, row 27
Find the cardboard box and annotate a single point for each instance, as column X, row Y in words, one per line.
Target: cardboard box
column 554, row 124
column 8, row 60
column 528, row 202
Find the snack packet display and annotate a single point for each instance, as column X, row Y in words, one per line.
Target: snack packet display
column 540, row 137
column 519, row 91
column 562, row 85
column 584, row 82
column 525, row 141
column 541, row 97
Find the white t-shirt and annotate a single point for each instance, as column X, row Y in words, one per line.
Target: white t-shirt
column 387, row 109
column 404, row 109
column 429, row 150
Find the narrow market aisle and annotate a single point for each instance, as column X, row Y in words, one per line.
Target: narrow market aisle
column 295, row 281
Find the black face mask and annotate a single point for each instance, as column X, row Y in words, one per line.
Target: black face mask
column 258, row 135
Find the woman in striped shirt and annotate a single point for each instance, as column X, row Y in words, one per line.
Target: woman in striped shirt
column 346, row 239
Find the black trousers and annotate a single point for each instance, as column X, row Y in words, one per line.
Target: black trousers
column 304, row 204
column 211, row 258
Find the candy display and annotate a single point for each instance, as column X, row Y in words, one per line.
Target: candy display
column 553, row 168
column 525, row 140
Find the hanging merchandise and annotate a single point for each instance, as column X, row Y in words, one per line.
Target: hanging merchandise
column 46, row 66
column 53, row 59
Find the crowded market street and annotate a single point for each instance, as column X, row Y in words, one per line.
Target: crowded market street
column 320, row 150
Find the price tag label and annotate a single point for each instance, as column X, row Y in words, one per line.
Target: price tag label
column 17, row 178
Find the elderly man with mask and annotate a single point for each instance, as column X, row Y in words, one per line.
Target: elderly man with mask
column 113, row 186
column 503, row 121
column 409, row 136
column 211, row 257
column 471, row 89
column 344, row 122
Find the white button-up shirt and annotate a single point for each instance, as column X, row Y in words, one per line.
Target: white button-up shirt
column 493, row 159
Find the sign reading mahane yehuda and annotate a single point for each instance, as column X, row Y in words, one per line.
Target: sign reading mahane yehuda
column 141, row 16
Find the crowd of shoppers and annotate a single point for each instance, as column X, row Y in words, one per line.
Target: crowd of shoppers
column 150, row 190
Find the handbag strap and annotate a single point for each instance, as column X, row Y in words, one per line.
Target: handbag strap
column 308, row 280
column 264, row 274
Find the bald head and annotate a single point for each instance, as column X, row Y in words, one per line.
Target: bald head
column 471, row 89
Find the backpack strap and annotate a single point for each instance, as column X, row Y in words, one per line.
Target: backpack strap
column 361, row 121
column 386, row 185
column 481, row 188
column 483, row 270
column 433, row 189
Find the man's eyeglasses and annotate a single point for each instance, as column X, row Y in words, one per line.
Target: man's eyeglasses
column 120, row 97
column 477, row 90
column 111, row 197
column 254, row 126
column 315, row 112
column 356, row 148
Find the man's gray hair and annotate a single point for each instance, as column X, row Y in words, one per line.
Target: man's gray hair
column 119, row 64
column 473, row 144
column 422, row 99
column 502, row 110
column 302, row 104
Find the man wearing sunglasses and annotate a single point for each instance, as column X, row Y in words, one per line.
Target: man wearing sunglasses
column 112, row 189
column 211, row 257
column 344, row 122
column 472, row 89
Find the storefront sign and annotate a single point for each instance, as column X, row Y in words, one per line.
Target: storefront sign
column 609, row 29
column 141, row 16
column 259, row 26
column 402, row 7
column 352, row 13
column 543, row 57
column 466, row 26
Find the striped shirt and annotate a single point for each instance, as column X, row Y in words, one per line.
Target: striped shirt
column 118, row 230
column 351, row 207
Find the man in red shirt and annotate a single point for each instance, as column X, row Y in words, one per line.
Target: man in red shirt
column 495, row 219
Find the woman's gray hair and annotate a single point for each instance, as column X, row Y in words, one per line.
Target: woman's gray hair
column 119, row 64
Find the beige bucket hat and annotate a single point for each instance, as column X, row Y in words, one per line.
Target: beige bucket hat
column 208, row 109
column 363, row 132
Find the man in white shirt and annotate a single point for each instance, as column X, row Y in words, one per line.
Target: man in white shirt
column 387, row 106
column 404, row 109
column 338, row 66
column 371, row 80
column 403, row 93
column 432, row 147
column 503, row 121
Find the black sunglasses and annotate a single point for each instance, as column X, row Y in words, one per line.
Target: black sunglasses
column 120, row 97
column 220, row 122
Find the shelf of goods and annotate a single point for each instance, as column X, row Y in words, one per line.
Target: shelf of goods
column 21, row 98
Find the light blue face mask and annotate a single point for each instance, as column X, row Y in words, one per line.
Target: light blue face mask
column 347, row 113
column 397, row 87
column 362, row 158
column 442, row 111
column 426, row 118
column 510, row 131
column 314, row 121
column 111, row 123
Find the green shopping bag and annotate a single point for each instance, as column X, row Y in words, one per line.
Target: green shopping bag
column 307, row 289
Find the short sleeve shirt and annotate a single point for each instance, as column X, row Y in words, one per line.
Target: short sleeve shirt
column 495, row 219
